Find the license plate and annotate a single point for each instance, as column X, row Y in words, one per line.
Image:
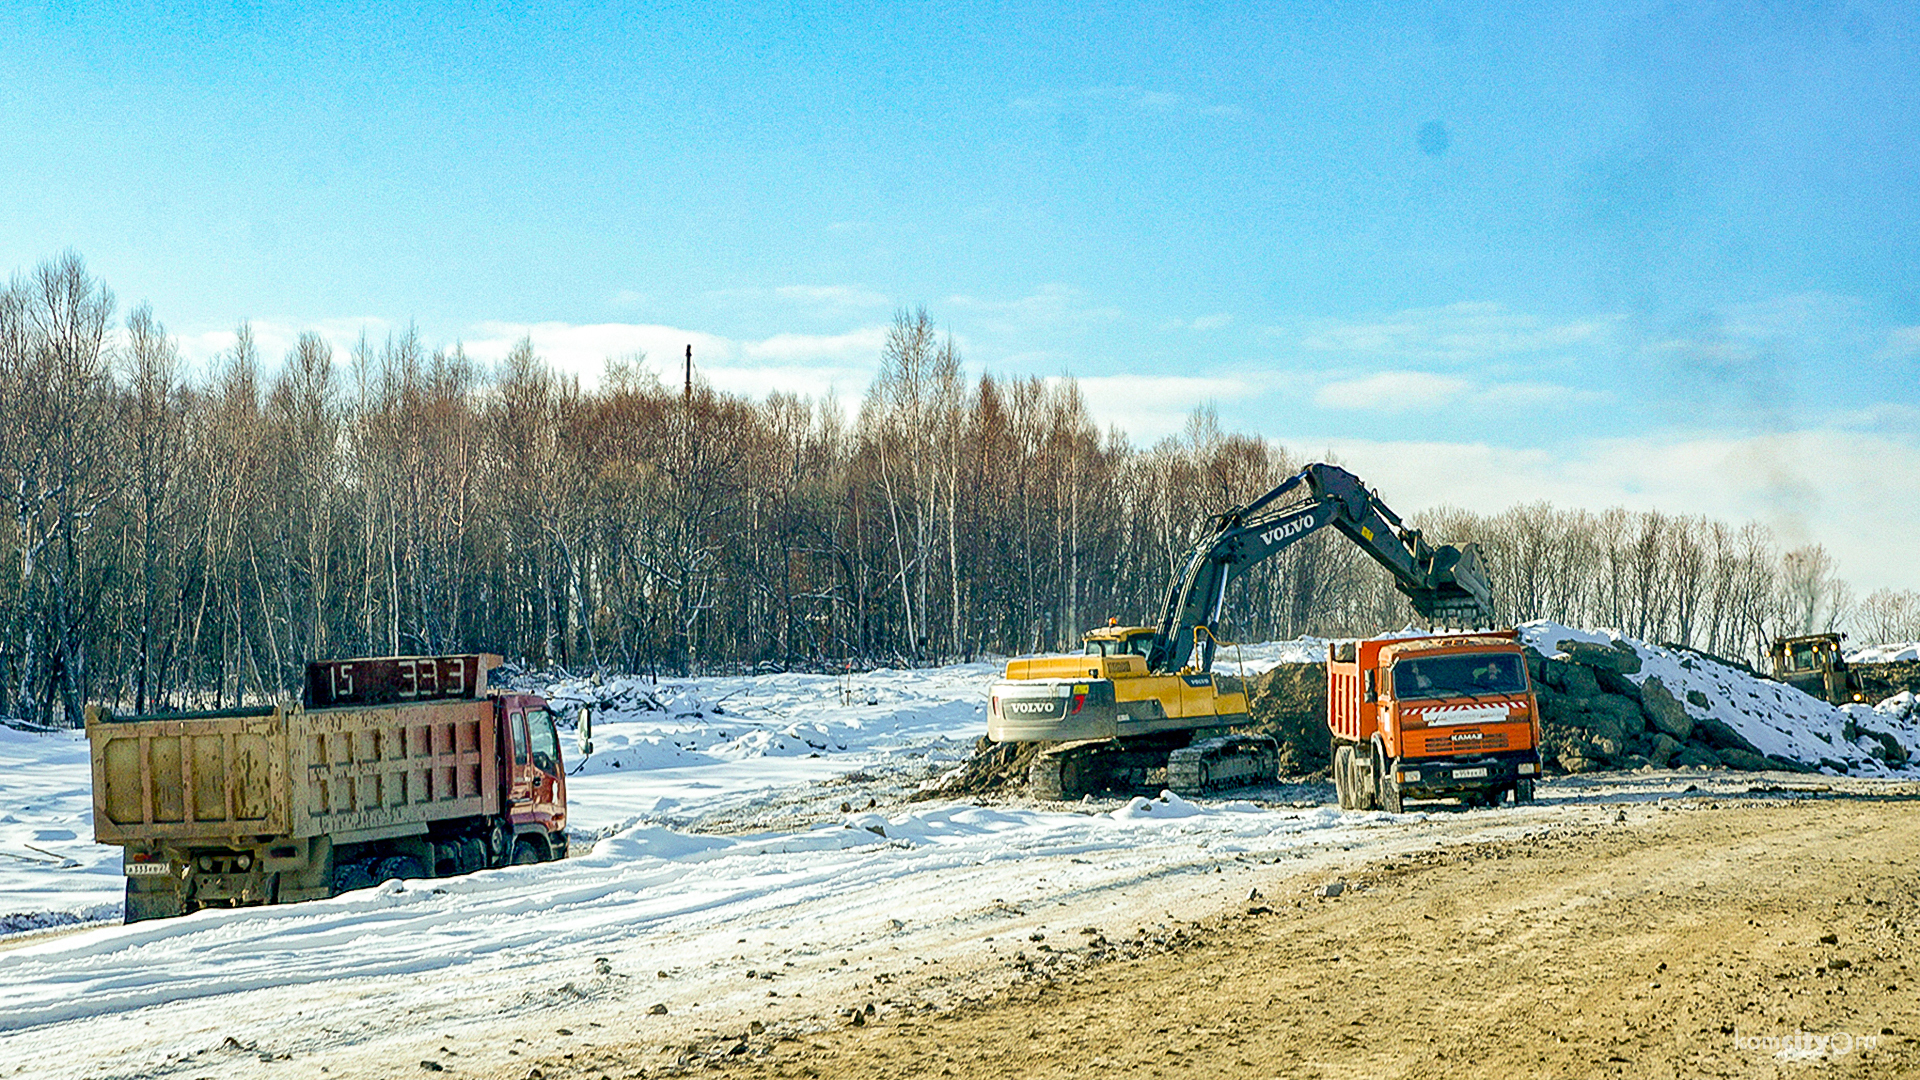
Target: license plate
column 148, row 869
column 1469, row 774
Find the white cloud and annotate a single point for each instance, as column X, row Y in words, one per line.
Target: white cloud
column 1150, row 407
column 825, row 301
column 1048, row 308
column 838, row 296
column 1391, row 391
column 1848, row 491
column 1203, row 323
column 273, row 339
column 1902, row 342
column 864, row 343
column 848, row 384
column 1126, row 100
column 1814, row 317
column 807, row 364
column 1456, row 333
column 583, row 349
column 1537, row 395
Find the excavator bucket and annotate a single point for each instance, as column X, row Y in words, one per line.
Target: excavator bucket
column 1460, row 594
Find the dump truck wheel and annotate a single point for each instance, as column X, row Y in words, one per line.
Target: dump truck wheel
column 350, row 876
column 1343, row 776
column 499, row 843
column 404, row 867
column 526, row 852
column 1387, row 790
column 1522, row 792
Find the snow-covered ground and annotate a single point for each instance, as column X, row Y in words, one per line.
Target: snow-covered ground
column 763, row 750
column 51, row 871
column 726, row 827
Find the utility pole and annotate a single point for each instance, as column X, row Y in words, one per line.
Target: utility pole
column 689, row 392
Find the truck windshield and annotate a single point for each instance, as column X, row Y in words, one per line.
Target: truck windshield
column 1462, row 675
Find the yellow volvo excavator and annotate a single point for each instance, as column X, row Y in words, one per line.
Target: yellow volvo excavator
column 1143, row 698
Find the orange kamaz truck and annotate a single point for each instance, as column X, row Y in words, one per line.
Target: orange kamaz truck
column 389, row 767
column 1431, row 717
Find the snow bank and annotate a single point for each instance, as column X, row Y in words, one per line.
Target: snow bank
column 1884, row 654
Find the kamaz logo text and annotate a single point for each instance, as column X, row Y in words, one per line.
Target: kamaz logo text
column 1281, row 532
column 1466, row 736
column 1027, row 707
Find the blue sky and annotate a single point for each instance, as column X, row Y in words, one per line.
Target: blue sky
column 1663, row 256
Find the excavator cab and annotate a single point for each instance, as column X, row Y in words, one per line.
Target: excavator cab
column 1115, row 640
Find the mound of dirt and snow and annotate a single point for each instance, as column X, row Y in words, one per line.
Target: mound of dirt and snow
column 1607, row 700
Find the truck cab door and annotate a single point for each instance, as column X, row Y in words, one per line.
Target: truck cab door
column 547, row 778
column 520, row 772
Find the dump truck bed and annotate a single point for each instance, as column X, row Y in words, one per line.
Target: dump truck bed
column 350, row 772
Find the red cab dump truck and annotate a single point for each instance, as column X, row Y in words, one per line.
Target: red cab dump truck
column 397, row 766
column 1429, row 717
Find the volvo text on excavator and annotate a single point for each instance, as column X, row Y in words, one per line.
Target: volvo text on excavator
column 1143, row 698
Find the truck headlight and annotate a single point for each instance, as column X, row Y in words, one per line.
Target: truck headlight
column 1409, row 776
column 1527, row 769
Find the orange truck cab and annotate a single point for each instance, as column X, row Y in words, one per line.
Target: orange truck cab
column 1431, row 717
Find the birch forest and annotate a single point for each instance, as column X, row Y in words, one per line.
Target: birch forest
column 189, row 536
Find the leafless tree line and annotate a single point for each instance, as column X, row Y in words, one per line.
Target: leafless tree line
column 176, row 539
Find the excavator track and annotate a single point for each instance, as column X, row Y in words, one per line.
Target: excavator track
column 1071, row 769
column 1228, row 761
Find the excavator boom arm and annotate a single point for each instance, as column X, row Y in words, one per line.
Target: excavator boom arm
column 1443, row 584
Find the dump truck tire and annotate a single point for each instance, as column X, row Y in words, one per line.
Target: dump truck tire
column 499, row 843
column 348, row 877
column 1390, row 798
column 403, row 867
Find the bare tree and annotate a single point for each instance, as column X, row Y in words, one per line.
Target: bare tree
column 55, row 377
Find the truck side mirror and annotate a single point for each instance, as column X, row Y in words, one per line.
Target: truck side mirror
column 1373, row 694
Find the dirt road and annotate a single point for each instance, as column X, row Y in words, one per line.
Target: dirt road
column 1765, row 936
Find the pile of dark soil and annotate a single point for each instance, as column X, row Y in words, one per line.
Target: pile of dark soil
column 993, row 767
column 1882, row 681
column 1290, row 704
